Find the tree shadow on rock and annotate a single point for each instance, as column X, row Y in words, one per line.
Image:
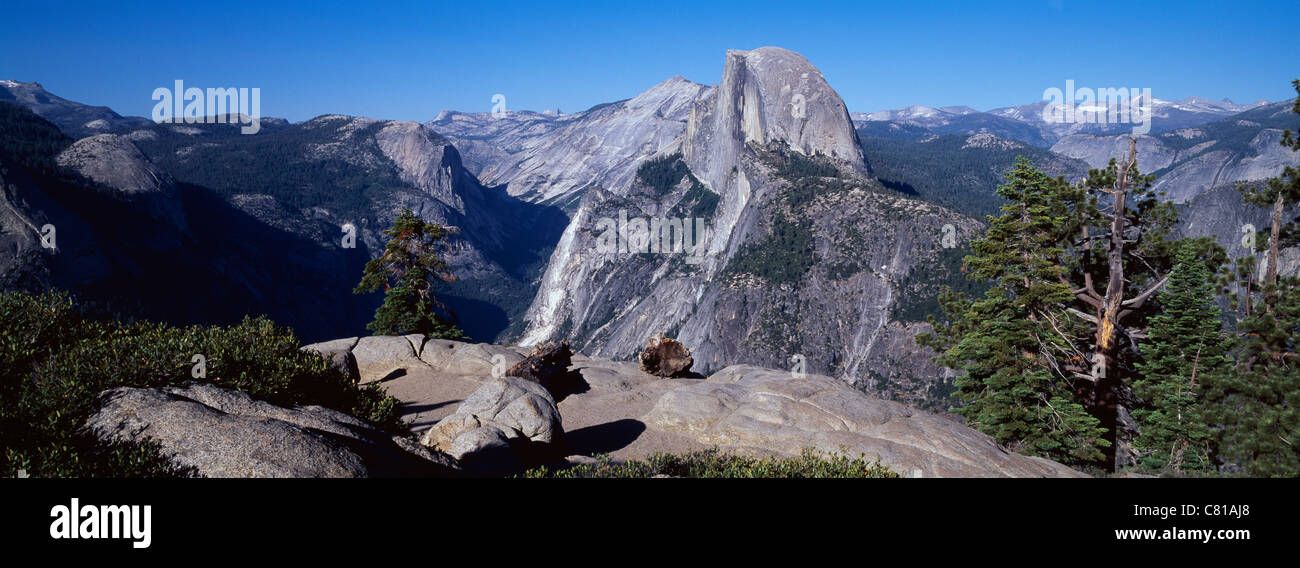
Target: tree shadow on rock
column 392, row 375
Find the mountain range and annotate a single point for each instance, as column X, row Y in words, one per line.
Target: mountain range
column 1027, row 123
column 826, row 233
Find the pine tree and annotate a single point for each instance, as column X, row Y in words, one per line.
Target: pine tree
column 1184, row 346
column 1048, row 355
column 1256, row 406
column 1009, row 387
column 1010, row 344
column 1122, row 255
column 406, row 271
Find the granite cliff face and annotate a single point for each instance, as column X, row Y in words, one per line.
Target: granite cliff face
column 1220, row 213
column 768, row 94
column 25, row 263
column 802, row 257
column 553, row 158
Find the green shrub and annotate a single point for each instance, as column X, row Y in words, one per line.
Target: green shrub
column 715, row 464
column 54, row 364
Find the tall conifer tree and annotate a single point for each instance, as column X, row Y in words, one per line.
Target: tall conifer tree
column 1010, row 344
column 1184, row 347
column 406, row 271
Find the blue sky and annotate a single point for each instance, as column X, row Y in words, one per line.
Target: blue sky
column 408, row 60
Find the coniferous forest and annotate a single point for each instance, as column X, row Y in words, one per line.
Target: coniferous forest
column 1102, row 343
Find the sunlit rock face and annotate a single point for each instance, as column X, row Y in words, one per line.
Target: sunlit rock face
column 554, row 158
column 742, row 139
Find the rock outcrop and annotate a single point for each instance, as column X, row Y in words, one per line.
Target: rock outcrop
column 25, row 264
column 339, row 354
column 379, row 355
column 224, row 433
column 750, row 407
column 505, row 424
column 115, row 162
column 497, row 425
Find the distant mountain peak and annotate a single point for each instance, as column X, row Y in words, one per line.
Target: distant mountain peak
column 74, row 119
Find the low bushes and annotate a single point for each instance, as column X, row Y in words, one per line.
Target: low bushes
column 54, row 364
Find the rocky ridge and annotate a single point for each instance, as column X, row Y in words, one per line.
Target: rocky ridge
column 74, row 118
column 379, row 167
column 449, row 387
column 1190, row 161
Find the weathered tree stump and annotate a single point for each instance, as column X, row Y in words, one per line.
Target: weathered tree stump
column 666, row 357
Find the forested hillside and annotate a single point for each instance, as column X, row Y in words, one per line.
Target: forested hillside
column 957, row 171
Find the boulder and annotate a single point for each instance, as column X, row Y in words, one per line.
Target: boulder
column 379, row 355
column 469, row 359
column 548, row 365
column 485, row 450
column 743, row 407
column 666, row 357
column 522, row 412
column 339, row 354
column 220, row 432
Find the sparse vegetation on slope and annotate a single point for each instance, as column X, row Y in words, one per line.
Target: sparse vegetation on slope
column 788, row 250
column 662, row 174
column 715, row 464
